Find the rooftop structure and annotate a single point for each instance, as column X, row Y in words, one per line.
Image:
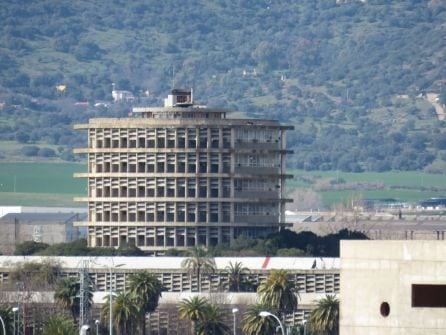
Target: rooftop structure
column 182, row 175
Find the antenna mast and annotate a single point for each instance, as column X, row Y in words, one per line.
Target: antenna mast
column 83, row 293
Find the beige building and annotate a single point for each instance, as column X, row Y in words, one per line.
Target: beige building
column 314, row 277
column 182, row 175
column 393, row 287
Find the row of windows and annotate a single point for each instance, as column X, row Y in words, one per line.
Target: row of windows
column 161, row 212
column 146, row 237
column 160, row 138
column 160, row 163
column 178, row 137
column 160, row 187
column 175, row 187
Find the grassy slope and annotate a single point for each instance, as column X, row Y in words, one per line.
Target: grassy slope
column 40, row 184
column 404, row 186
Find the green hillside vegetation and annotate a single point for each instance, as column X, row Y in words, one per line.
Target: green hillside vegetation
column 41, row 184
column 52, row 184
column 335, row 187
column 351, row 77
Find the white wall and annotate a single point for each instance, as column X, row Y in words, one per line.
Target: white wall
column 373, row 272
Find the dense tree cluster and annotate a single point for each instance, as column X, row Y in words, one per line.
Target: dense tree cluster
column 284, row 243
column 75, row 248
column 335, row 71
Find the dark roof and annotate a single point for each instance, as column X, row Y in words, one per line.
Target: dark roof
column 181, row 91
column 59, row 217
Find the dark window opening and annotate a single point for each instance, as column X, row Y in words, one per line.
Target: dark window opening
column 202, row 192
column 384, row 309
column 424, row 295
column 181, row 167
column 202, row 216
column 171, row 143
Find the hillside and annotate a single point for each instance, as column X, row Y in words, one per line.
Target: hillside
column 351, row 77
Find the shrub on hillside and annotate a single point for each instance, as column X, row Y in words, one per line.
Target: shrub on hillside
column 30, row 151
column 46, row 152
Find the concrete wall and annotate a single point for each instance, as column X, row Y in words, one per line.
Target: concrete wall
column 377, row 272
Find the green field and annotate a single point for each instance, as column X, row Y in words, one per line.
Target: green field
column 40, row 184
column 52, row 184
column 403, row 186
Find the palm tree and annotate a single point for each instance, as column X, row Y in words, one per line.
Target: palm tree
column 254, row 324
column 279, row 291
column 57, row 325
column 212, row 322
column 67, row 296
column 147, row 289
column 125, row 312
column 199, row 262
column 236, row 273
column 324, row 319
column 193, row 309
column 7, row 315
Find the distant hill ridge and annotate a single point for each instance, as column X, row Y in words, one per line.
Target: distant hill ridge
column 336, row 71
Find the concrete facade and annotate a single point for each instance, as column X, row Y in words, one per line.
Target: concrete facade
column 315, row 278
column 48, row 228
column 376, row 225
column 393, row 287
column 182, row 175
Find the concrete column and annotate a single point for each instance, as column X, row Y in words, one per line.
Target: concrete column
column 208, row 236
column 282, row 176
column 220, row 234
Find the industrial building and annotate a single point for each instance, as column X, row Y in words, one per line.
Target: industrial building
column 39, row 224
column 182, row 175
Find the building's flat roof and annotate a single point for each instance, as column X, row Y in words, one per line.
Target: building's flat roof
column 41, row 216
column 148, row 122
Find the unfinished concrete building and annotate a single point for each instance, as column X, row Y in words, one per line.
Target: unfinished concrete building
column 182, row 175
